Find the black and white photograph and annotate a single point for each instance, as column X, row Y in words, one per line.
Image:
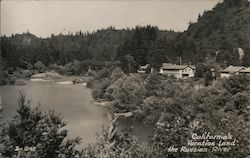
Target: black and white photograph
column 124, row 78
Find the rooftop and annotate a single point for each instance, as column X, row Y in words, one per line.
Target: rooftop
column 144, row 66
column 170, row 66
column 233, row 69
column 246, row 70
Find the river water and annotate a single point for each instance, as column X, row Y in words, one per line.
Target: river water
column 73, row 102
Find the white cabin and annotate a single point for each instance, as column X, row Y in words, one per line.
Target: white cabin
column 231, row 70
column 179, row 71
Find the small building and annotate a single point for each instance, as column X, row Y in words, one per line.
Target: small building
column 179, row 71
column 143, row 69
column 231, row 70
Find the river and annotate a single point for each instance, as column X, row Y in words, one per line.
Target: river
column 73, row 102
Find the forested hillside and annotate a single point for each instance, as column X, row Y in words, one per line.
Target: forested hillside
column 61, row 49
column 103, row 45
column 147, row 45
column 217, row 35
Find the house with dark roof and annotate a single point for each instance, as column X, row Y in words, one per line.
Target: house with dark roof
column 231, row 70
column 179, row 71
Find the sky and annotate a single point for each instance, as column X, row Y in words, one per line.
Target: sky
column 44, row 17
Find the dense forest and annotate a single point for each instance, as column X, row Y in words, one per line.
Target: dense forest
column 217, row 35
column 61, row 49
column 103, row 45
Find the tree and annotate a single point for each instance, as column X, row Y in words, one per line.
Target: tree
column 44, row 133
column 116, row 74
column 233, row 3
column 112, row 143
column 128, row 92
column 39, row 66
column 208, row 77
column 246, row 58
column 237, row 83
column 200, row 70
column 130, row 61
column 156, row 57
column 204, row 71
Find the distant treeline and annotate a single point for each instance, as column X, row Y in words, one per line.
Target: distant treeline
column 217, row 34
column 103, row 45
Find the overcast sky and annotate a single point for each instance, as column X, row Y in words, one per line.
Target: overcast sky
column 44, row 17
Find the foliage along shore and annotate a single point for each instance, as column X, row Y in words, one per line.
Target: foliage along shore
column 71, row 71
column 178, row 108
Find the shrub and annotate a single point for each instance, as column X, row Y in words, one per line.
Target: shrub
column 237, row 83
column 33, row 128
column 99, row 88
column 20, row 82
column 57, row 68
column 113, row 144
column 129, row 90
column 29, row 66
column 12, row 79
column 72, row 68
column 39, row 66
column 116, row 74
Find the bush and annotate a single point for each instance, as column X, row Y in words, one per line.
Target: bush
column 20, row 82
column 113, row 144
column 101, row 80
column 29, row 66
column 12, row 80
column 3, row 77
column 72, row 68
column 77, row 81
column 99, row 88
column 237, row 83
column 40, row 66
column 204, row 71
column 27, row 73
column 116, row 74
column 129, row 90
column 35, row 129
column 57, row 68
